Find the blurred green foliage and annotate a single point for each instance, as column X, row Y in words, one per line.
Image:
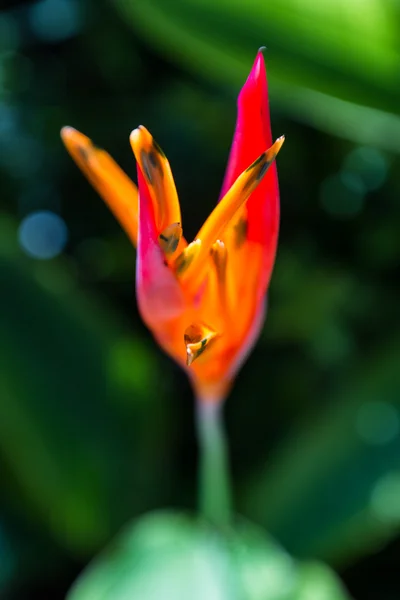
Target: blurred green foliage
column 95, row 423
column 334, row 64
column 172, row 556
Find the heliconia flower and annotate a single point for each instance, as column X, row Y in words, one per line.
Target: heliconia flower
column 204, row 301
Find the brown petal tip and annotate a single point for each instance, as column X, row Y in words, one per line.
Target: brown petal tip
column 169, row 238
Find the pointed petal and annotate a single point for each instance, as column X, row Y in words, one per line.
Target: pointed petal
column 224, row 212
column 157, row 173
column 158, row 292
column 109, row 180
column 159, row 295
column 259, row 222
column 253, row 126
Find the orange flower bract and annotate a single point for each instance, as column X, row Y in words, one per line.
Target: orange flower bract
column 204, row 301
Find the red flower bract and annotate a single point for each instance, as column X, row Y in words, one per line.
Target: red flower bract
column 205, row 301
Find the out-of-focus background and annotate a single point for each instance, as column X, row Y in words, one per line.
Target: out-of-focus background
column 96, row 424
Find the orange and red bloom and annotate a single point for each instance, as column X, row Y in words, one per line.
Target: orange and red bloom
column 204, row 301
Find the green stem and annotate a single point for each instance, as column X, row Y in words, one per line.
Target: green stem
column 214, row 481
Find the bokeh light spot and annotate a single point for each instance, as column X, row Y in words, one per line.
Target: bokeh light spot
column 130, row 365
column 370, row 164
column 55, row 20
column 342, row 195
column 385, row 498
column 43, row 234
column 377, row 423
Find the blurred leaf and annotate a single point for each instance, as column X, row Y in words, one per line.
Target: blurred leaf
column 319, row 582
column 333, row 65
column 72, row 411
column 172, row 556
column 332, row 489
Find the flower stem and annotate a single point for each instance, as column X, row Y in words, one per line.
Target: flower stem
column 214, row 480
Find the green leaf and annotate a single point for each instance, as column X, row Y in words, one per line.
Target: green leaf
column 71, row 411
column 174, row 556
column 318, row 581
column 333, row 65
column 331, row 489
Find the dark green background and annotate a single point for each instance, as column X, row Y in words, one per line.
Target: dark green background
column 95, row 422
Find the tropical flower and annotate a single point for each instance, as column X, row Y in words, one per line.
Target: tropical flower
column 204, row 301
